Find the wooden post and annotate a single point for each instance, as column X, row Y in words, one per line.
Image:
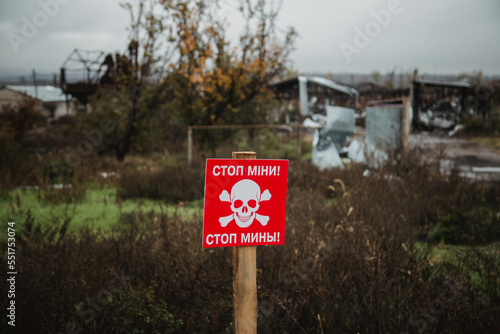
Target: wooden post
column 405, row 127
column 245, row 280
column 299, row 142
column 190, row 146
column 416, row 89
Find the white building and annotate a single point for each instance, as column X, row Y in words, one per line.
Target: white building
column 53, row 102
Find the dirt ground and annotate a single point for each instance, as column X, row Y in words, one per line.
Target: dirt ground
column 476, row 160
column 467, row 152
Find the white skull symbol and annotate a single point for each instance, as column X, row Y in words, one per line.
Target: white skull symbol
column 245, row 200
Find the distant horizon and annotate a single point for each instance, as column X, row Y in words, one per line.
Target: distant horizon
column 397, row 70
column 45, row 78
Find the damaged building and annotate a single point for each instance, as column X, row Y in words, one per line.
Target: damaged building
column 50, row 101
column 324, row 105
column 441, row 104
column 83, row 72
column 304, row 96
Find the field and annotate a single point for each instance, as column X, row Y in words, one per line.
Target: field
column 383, row 252
column 99, row 209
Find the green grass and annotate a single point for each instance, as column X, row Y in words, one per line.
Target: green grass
column 100, row 209
column 444, row 254
column 268, row 143
column 441, row 254
column 492, row 142
column 443, row 259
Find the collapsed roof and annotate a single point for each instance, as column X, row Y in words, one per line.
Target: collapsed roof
column 312, row 89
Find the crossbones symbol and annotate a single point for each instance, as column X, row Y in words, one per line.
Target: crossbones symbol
column 245, row 200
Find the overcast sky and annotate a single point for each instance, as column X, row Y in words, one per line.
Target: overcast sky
column 435, row 36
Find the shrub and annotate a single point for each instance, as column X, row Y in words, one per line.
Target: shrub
column 172, row 184
column 484, row 126
column 138, row 311
column 349, row 264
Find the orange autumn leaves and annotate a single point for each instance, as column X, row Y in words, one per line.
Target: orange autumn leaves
column 214, row 81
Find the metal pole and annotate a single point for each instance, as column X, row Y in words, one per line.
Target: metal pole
column 35, row 83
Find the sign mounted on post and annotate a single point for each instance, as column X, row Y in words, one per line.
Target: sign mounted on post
column 245, row 202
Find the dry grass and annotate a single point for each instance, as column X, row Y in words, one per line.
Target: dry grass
column 349, row 264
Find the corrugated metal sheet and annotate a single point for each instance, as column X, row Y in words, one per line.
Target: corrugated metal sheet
column 383, row 127
column 331, row 84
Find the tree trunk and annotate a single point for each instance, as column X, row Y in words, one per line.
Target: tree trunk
column 124, row 147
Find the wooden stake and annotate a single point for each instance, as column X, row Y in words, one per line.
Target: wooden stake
column 245, row 280
column 405, row 127
column 299, row 143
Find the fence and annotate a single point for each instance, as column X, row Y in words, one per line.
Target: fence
column 297, row 127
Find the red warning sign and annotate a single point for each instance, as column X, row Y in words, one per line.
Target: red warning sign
column 245, row 202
